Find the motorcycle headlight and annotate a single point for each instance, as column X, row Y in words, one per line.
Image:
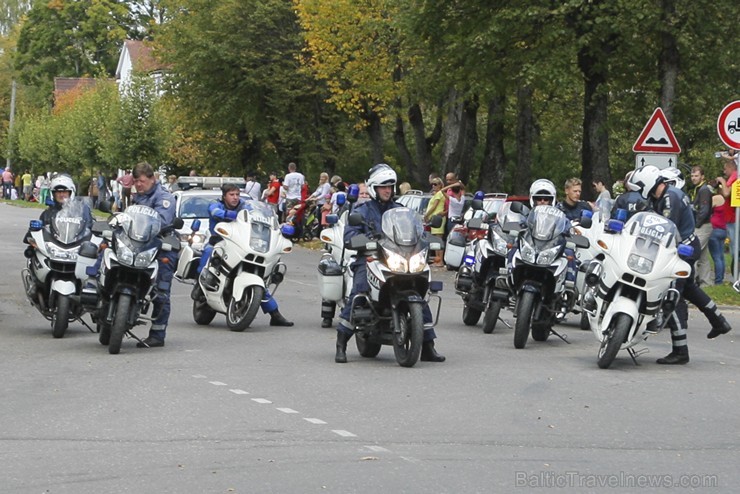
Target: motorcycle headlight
column 396, row 262
column 418, row 261
column 546, row 257
column 144, row 259
column 124, row 254
column 259, row 240
column 527, row 252
column 62, row 254
column 500, row 245
column 639, row 264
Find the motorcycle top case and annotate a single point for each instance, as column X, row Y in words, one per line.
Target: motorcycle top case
column 330, row 279
column 455, row 249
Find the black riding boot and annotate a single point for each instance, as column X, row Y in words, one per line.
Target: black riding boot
column 429, row 354
column 342, row 339
column 277, row 319
column 678, row 356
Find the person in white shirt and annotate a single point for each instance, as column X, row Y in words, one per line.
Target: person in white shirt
column 292, row 184
column 323, row 189
column 253, row 188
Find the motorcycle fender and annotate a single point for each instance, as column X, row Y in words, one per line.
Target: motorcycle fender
column 621, row 305
column 527, row 287
column 63, row 287
column 244, row 280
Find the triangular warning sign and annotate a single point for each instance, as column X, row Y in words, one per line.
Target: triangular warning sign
column 657, row 136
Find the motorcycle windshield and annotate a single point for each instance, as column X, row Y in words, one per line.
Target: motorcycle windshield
column 651, row 231
column 260, row 212
column 506, row 215
column 402, row 226
column 68, row 224
column 546, row 223
column 140, row 223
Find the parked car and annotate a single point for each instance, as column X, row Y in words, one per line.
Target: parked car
column 193, row 204
column 416, row 200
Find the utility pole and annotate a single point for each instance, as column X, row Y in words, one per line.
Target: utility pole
column 10, row 124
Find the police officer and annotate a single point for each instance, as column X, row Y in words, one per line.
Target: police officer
column 380, row 185
column 672, row 203
column 226, row 209
column 630, row 201
column 149, row 192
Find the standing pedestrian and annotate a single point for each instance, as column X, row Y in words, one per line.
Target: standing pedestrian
column 7, row 183
column 701, row 202
column 292, row 183
column 719, row 234
column 27, row 181
column 253, row 188
column 127, row 182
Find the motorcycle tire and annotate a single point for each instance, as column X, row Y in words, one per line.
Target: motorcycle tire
column 541, row 331
column 60, row 322
column 104, row 330
column 366, row 348
column 490, row 318
column 616, row 335
column 119, row 323
column 202, row 314
column 524, row 312
column 470, row 316
column 240, row 314
column 585, row 325
column 407, row 339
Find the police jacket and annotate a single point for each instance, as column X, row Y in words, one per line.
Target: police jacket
column 47, row 216
column 674, row 204
column 162, row 202
column 630, row 201
column 372, row 212
column 218, row 212
column 573, row 213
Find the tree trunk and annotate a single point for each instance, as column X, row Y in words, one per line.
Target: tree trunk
column 493, row 165
column 423, row 149
column 453, row 133
column 470, row 142
column 669, row 58
column 524, row 139
column 375, row 133
column 399, row 137
column 595, row 142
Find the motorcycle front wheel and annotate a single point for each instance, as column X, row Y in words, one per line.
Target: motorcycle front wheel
column 616, row 335
column 524, row 312
column 202, row 313
column 61, row 317
column 366, row 348
column 241, row 313
column 407, row 338
column 490, row 318
column 119, row 323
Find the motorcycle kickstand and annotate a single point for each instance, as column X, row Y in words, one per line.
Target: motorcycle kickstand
column 563, row 337
column 130, row 334
column 633, row 354
column 86, row 325
column 505, row 323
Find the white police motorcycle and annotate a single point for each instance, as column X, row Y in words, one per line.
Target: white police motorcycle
column 244, row 263
column 49, row 278
column 630, row 283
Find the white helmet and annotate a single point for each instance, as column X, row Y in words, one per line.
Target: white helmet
column 673, row 176
column 63, row 182
column 542, row 188
column 380, row 174
column 644, row 180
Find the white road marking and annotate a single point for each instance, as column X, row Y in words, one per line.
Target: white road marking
column 378, row 449
column 239, row 391
column 217, row 383
column 287, row 410
column 199, row 376
column 314, row 421
column 410, row 459
column 261, row 400
column 343, row 433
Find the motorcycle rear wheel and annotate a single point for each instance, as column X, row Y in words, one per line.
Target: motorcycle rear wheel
column 202, row 313
column 470, row 316
column 119, row 324
column 541, row 330
column 407, row 338
column 524, row 313
column 366, row 348
column 240, row 314
column 617, row 334
column 61, row 317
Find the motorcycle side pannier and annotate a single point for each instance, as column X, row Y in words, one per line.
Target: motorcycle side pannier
column 455, row 249
column 330, row 279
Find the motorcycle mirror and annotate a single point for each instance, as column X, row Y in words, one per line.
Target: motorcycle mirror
column 476, row 204
column 353, row 193
column 332, row 219
column 99, row 227
column 621, row 214
column 106, row 206
column 615, row 226
column 586, row 221
column 195, row 226
column 580, row 241
column 517, row 207
column 178, row 223
column 685, row 250
column 435, row 245
column 287, row 230
column 35, row 225
column 436, row 221
column 476, row 224
column 511, row 227
column 355, row 219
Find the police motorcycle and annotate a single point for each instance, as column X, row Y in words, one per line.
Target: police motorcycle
column 630, row 283
column 400, row 281
column 52, row 285
column 244, row 263
column 481, row 280
column 127, row 272
column 538, row 272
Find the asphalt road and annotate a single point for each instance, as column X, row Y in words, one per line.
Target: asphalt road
column 268, row 410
